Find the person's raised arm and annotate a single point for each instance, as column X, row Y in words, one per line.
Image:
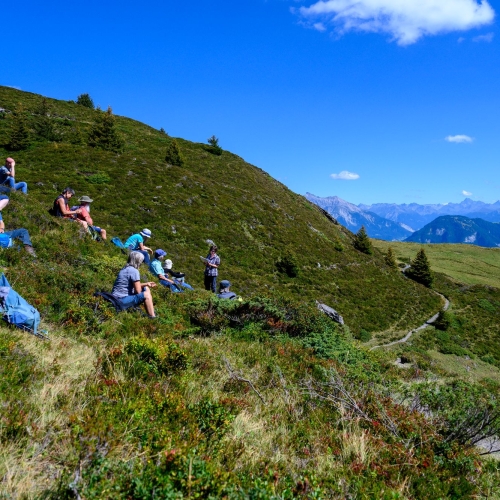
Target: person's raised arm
column 2, row 226
column 12, row 171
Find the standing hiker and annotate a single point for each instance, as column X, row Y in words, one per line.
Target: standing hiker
column 8, row 174
column 212, row 262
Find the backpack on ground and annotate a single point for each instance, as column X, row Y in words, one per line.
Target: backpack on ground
column 5, row 240
column 110, row 298
column 17, row 311
column 118, row 242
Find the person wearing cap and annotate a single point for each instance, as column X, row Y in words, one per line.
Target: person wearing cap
column 8, row 174
column 84, row 215
column 212, row 263
column 61, row 207
column 224, row 292
column 179, row 278
column 128, row 288
column 136, row 244
column 156, row 268
column 20, row 234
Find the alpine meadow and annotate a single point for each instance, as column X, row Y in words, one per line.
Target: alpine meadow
column 263, row 398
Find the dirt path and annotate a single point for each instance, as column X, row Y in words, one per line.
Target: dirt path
column 421, row 327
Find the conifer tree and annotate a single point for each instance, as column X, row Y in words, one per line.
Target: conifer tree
column 390, row 259
column 420, row 269
column 362, row 242
column 44, row 126
column 173, row 156
column 85, row 100
column 103, row 134
column 214, row 147
column 20, row 131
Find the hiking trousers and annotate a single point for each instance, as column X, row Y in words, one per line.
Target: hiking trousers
column 20, row 234
column 211, row 283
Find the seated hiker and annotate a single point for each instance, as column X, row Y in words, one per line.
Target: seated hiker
column 61, row 207
column 128, row 288
column 20, row 234
column 179, row 278
column 84, row 215
column 136, row 243
column 8, row 174
column 224, row 292
column 156, row 268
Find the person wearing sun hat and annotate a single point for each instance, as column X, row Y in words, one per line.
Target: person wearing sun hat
column 135, row 243
column 176, row 276
column 156, row 268
column 84, row 214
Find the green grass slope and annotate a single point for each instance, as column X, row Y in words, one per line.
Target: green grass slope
column 264, row 399
column 253, row 218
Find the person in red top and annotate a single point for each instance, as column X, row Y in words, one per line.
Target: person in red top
column 84, row 215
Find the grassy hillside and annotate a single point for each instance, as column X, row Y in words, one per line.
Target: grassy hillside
column 466, row 263
column 253, row 218
column 263, row 399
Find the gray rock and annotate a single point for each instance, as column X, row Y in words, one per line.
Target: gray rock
column 330, row 312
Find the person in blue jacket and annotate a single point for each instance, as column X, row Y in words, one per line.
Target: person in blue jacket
column 224, row 292
column 157, row 269
column 136, row 244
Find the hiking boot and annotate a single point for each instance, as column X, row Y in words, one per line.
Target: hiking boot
column 30, row 250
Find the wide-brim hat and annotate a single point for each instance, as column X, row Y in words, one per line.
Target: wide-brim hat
column 85, row 199
column 225, row 283
column 146, row 233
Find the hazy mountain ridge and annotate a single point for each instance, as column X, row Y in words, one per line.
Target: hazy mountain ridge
column 459, row 229
column 353, row 217
column 417, row 216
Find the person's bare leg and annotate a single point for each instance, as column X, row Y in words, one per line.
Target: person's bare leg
column 4, row 203
column 103, row 234
column 148, row 302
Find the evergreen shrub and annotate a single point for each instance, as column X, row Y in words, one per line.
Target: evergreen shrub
column 362, row 242
column 420, row 269
column 85, row 100
column 287, row 264
column 173, row 155
column 103, row 134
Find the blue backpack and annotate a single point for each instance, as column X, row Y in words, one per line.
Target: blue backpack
column 15, row 310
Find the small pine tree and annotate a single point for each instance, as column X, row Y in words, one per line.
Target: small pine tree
column 420, row 269
column 163, row 132
column 103, row 134
column 390, row 259
column 44, row 126
column 173, row 156
column 214, row 147
column 85, row 100
column 362, row 242
column 20, row 131
column 287, row 264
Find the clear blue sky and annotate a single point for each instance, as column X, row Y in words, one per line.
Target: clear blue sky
column 374, row 92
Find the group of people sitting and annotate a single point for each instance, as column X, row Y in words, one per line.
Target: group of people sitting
column 128, row 289
column 130, row 292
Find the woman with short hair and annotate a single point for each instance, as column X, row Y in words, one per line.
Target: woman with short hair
column 128, row 288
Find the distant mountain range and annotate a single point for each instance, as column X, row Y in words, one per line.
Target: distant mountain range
column 416, row 216
column 393, row 222
column 459, row 229
column 353, row 218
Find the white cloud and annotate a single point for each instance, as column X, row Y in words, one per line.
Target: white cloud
column 319, row 26
column 461, row 40
column 484, row 38
column 466, row 193
column 459, row 139
column 406, row 21
column 345, row 176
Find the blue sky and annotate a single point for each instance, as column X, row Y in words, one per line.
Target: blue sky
column 302, row 89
